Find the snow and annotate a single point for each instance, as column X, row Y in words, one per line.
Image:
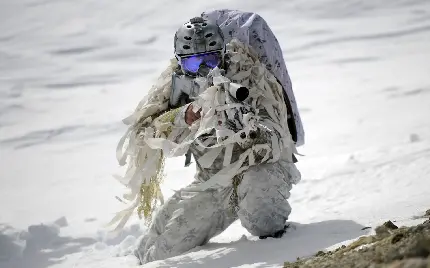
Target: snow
column 71, row 70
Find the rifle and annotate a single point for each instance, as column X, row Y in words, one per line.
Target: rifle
column 185, row 88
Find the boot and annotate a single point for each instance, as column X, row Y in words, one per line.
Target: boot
column 277, row 234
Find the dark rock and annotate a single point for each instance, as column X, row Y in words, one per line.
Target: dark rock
column 320, row 253
column 390, row 225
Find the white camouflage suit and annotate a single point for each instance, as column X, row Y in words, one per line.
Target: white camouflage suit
column 189, row 219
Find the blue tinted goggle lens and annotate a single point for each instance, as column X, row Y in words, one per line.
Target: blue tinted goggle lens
column 192, row 63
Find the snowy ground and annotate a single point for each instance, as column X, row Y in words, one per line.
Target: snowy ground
column 71, row 70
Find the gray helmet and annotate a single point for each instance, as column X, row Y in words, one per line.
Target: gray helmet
column 198, row 36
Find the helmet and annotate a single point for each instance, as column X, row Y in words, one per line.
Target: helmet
column 198, row 36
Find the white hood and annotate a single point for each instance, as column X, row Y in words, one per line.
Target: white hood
column 251, row 29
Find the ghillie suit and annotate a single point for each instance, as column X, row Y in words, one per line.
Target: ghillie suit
column 243, row 150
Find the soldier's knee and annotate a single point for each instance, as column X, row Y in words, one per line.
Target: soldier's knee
column 263, row 220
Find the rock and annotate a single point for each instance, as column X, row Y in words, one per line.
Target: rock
column 320, row 253
column 390, row 225
column 391, row 247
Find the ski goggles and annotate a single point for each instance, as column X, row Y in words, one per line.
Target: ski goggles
column 192, row 63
